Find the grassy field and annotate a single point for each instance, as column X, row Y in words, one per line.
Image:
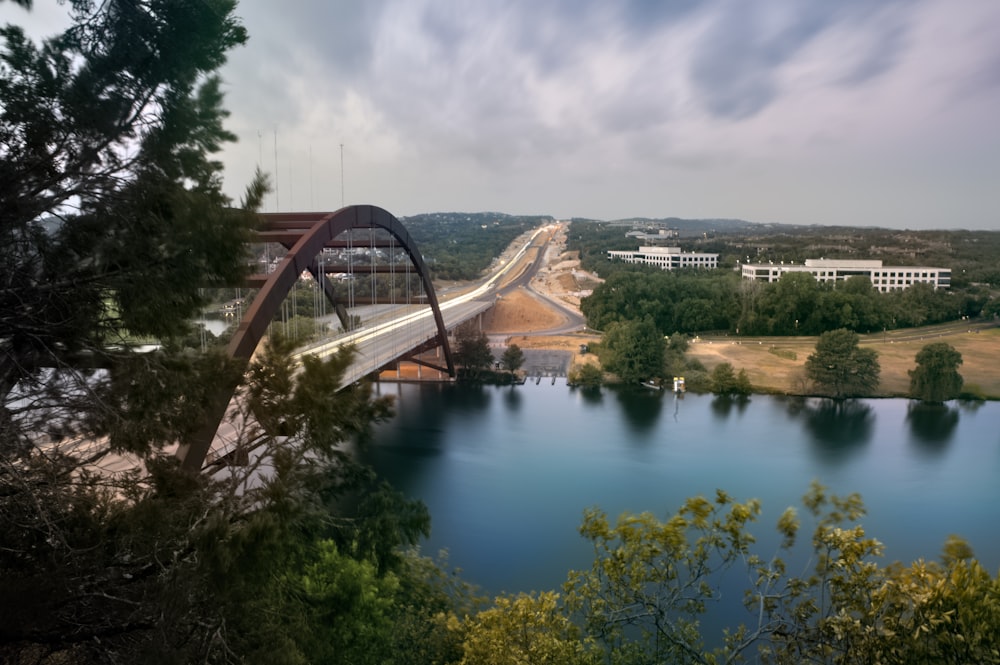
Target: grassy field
column 775, row 364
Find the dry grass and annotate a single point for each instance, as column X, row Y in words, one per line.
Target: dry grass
column 520, row 312
column 770, row 372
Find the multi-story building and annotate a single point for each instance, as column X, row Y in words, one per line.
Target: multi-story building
column 666, row 258
column 883, row 278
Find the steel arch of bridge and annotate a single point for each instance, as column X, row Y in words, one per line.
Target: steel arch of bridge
column 305, row 235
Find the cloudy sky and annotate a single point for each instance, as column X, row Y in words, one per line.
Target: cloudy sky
column 859, row 112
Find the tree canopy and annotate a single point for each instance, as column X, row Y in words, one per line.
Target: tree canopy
column 112, row 221
column 936, row 377
column 634, row 350
column 727, row 382
column 472, row 350
column 512, row 358
column 840, row 367
column 653, row 583
column 113, row 217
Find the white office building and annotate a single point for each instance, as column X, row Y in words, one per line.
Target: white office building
column 883, row 278
column 666, row 258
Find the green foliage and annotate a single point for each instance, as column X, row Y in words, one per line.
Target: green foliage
column 787, row 354
column 526, row 629
column 113, row 214
column 472, row 350
column 634, row 350
column 586, row 375
column 936, row 377
column 267, row 563
column 345, row 609
column 841, row 368
column 676, row 301
column 795, row 305
column 512, row 358
column 653, row 581
column 725, row 381
column 462, row 245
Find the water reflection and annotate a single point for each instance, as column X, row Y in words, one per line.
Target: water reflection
column 590, row 394
column 512, row 399
column 640, row 406
column 837, row 428
column 467, row 397
column 723, row 405
column 970, row 405
column 931, row 425
column 507, row 508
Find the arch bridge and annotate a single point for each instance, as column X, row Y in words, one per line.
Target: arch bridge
column 344, row 251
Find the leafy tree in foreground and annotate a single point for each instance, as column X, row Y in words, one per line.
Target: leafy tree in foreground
column 653, row 582
column 841, row 368
column 265, row 561
column 112, row 216
column 526, row 629
column 936, row 377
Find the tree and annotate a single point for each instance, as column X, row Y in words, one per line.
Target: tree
column 652, row 581
column 252, row 564
column 842, row 369
column 113, row 217
column 936, row 377
column 633, row 350
column 726, row 382
column 512, row 358
column 587, row 375
column 473, row 349
column 526, row 629
column 112, row 220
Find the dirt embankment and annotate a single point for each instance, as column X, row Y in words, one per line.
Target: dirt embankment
column 521, row 312
column 525, row 316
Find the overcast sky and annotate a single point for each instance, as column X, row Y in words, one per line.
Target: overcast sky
column 858, row 112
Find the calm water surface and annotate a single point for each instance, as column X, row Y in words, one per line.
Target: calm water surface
column 507, row 472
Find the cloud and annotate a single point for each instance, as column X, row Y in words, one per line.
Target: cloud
column 737, row 66
column 594, row 108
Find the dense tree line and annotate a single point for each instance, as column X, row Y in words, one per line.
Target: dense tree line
column 691, row 302
column 680, row 301
column 459, row 246
column 797, row 304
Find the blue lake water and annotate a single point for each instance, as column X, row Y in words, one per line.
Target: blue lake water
column 507, row 472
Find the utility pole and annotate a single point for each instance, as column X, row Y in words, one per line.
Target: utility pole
column 341, row 175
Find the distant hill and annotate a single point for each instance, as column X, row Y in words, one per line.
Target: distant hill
column 460, row 245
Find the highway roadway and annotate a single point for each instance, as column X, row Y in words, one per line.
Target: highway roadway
column 398, row 329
